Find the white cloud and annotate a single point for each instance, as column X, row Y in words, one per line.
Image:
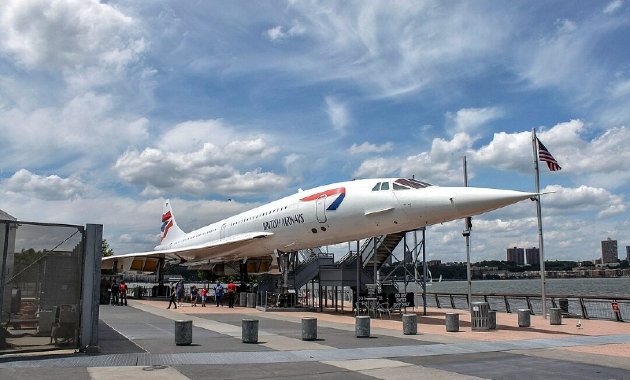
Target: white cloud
column 190, row 135
column 194, row 166
column 278, row 33
column 620, row 89
column 613, row 6
column 338, row 114
column 571, row 201
column 367, row 147
column 568, row 60
column 90, row 42
column 470, row 120
column 77, row 129
column 52, row 187
column 386, row 50
column 258, row 148
column 506, row 151
column 442, row 164
column 602, row 161
column 130, row 225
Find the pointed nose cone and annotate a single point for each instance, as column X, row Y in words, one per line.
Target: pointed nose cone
column 469, row 201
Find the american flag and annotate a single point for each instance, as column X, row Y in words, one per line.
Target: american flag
column 544, row 155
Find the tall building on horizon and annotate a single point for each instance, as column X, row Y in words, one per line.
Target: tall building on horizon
column 609, row 251
column 628, row 253
column 533, row 256
column 516, row 255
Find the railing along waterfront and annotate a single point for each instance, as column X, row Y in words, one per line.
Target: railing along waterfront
column 586, row 307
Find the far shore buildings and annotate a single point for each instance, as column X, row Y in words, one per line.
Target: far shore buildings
column 533, row 256
column 516, row 255
column 609, row 251
column 628, row 253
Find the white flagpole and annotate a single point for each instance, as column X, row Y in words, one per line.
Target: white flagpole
column 540, row 233
column 466, row 233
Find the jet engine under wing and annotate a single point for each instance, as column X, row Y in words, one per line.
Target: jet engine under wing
column 216, row 249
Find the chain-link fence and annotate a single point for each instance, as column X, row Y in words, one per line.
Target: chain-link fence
column 41, row 276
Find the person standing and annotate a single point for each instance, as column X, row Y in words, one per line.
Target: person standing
column 204, row 294
column 172, row 294
column 115, row 290
column 231, row 290
column 109, row 291
column 123, row 293
column 218, row 293
column 180, row 292
column 193, row 295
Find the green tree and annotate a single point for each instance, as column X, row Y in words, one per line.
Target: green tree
column 107, row 251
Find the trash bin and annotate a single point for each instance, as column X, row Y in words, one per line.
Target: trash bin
column 480, row 320
column 555, row 316
column 251, row 299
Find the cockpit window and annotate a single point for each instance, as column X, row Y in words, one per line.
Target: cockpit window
column 410, row 183
column 385, row 186
column 398, row 186
column 377, row 187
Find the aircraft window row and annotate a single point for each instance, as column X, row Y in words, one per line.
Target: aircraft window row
column 259, row 215
column 381, row 186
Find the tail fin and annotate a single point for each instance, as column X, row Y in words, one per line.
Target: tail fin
column 170, row 230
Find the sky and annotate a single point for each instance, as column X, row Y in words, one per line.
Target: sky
column 108, row 108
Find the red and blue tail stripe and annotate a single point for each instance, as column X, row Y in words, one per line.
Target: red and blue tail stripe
column 329, row 193
column 167, row 223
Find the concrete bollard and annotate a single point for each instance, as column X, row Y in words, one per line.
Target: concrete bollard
column 183, row 333
column 555, row 316
column 249, row 331
column 492, row 320
column 251, row 299
column 452, row 322
column 362, row 326
column 524, row 318
column 242, row 300
column 309, row 328
column 410, row 324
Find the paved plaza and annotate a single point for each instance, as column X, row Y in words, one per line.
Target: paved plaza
column 138, row 342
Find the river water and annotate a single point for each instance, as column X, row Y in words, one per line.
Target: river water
column 608, row 287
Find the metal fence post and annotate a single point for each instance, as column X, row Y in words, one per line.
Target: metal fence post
column 91, row 285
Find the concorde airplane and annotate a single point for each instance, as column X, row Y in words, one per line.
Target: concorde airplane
column 325, row 215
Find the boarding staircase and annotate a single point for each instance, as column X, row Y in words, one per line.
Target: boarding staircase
column 307, row 269
column 381, row 247
column 312, row 262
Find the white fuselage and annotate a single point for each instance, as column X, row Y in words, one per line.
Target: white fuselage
column 342, row 212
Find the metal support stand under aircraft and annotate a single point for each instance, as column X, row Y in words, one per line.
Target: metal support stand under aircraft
column 286, row 261
column 244, row 275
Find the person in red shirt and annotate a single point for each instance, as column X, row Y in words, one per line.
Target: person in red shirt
column 231, row 290
column 204, row 294
column 123, row 293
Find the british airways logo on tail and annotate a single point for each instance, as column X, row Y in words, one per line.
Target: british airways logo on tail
column 167, row 223
column 340, row 192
